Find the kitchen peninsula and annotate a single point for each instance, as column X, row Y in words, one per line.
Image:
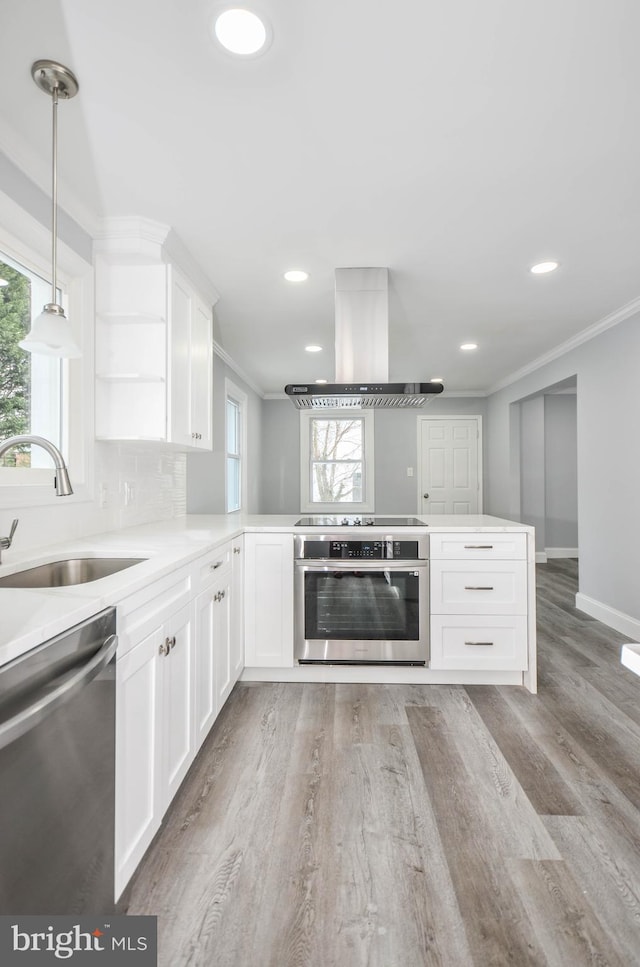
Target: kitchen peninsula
column 31, row 616
column 212, row 602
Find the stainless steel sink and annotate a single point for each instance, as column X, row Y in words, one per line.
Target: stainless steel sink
column 61, row 574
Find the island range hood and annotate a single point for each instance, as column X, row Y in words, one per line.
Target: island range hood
column 362, row 351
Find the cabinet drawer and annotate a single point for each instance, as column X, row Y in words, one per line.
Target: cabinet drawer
column 139, row 614
column 487, row 588
column 211, row 566
column 474, row 642
column 479, row 547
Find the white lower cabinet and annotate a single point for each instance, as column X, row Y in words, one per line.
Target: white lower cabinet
column 138, row 717
column 154, row 735
column 213, row 677
column 479, row 602
column 497, row 642
column 177, row 747
column 268, row 600
column 181, row 652
column 237, row 608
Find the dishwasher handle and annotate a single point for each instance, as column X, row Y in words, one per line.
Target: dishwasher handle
column 70, row 685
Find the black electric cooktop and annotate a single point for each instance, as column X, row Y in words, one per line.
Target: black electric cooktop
column 349, row 520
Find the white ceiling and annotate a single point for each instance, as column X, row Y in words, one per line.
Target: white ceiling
column 456, row 143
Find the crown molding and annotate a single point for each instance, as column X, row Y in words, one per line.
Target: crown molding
column 140, row 238
column 607, row 322
column 231, row 363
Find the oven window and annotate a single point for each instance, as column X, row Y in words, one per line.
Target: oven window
column 361, row 605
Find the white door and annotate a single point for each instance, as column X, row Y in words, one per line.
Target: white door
column 449, row 460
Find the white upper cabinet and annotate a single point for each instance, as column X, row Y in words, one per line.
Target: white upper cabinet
column 191, row 385
column 154, row 338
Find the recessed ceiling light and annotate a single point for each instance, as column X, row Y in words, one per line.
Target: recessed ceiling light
column 467, row 346
column 241, row 31
column 313, row 349
column 321, row 381
column 542, row 267
column 436, row 379
column 296, row 275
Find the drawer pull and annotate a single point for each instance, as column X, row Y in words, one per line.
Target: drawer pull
column 482, row 643
column 212, row 567
column 478, row 587
column 478, row 547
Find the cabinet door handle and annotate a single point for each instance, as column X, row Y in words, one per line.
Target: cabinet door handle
column 172, row 642
column 478, row 587
column 222, row 595
column 478, row 547
column 164, row 648
column 217, row 564
column 482, row 643
column 236, row 550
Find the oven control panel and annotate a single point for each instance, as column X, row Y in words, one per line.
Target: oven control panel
column 375, row 550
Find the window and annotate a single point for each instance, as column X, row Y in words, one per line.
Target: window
column 57, row 395
column 337, row 462
column 235, row 436
column 31, row 385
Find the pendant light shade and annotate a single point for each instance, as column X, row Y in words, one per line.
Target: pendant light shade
column 51, row 333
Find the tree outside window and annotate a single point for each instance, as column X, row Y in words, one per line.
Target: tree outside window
column 31, row 384
column 15, row 321
column 337, row 455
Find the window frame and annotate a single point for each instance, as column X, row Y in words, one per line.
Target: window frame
column 28, row 242
column 367, row 505
column 234, row 394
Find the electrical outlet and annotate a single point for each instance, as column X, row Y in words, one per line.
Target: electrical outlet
column 409, row 471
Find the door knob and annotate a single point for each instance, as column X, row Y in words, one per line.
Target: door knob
column 426, row 496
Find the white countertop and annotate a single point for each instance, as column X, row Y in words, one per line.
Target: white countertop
column 29, row 617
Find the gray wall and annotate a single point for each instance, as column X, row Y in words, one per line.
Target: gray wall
column 396, row 444
column 561, row 471
column 532, row 467
column 608, row 458
column 206, row 471
column 38, row 204
column 280, row 457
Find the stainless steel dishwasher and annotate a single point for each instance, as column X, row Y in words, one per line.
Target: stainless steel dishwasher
column 57, row 773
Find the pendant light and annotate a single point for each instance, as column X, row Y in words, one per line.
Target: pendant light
column 50, row 332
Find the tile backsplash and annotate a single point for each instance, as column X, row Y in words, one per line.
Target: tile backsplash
column 133, row 484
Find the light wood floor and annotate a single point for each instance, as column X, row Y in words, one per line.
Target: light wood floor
column 403, row 826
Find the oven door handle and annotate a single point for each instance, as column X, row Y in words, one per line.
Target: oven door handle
column 353, row 564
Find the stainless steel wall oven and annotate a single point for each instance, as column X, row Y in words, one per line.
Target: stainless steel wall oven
column 363, row 601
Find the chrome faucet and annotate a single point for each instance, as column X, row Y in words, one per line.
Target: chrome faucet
column 61, row 480
column 5, row 542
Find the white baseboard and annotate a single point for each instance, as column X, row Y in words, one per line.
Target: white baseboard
column 541, row 557
column 561, row 552
column 617, row 620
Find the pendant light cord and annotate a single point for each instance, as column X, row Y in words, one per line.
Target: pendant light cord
column 54, row 197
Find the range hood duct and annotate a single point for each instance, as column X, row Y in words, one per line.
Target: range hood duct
column 362, row 349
